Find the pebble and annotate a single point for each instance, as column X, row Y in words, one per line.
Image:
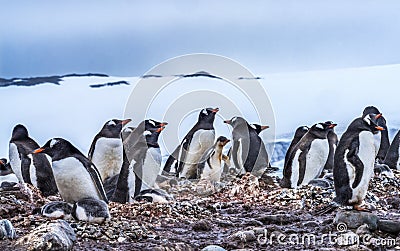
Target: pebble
column 243, row 236
column 58, row 235
column 354, row 219
column 213, row 248
column 389, row 226
column 7, row 230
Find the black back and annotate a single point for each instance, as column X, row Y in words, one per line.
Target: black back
column 205, row 122
column 317, row 131
column 385, row 143
column 300, row 132
column 44, row 174
column 392, row 155
column 333, row 141
column 59, row 149
column 350, row 142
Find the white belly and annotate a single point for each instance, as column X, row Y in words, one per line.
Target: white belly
column 377, row 142
column 214, row 173
column 151, row 168
column 295, row 169
column 131, row 182
column 366, row 154
column 202, row 140
column 107, row 156
column 15, row 161
column 32, row 172
column 73, row 180
column 316, row 159
column 398, row 160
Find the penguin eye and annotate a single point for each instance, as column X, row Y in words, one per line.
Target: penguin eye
column 53, row 142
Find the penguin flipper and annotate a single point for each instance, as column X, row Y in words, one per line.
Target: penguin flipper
column 95, row 175
column 235, row 148
column 25, row 168
column 170, row 161
column 357, row 164
column 302, row 167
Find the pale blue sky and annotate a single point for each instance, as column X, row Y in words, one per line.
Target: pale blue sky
column 126, row 38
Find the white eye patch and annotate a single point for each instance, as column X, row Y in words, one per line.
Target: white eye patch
column 152, row 122
column 305, row 128
column 367, row 119
column 319, row 126
column 111, row 123
column 204, row 111
column 53, row 142
column 233, row 119
column 253, row 126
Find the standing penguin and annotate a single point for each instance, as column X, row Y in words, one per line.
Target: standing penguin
column 210, row 168
column 106, row 149
column 308, row 157
column 7, row 176
column 333, row 142
column 32, row 169
column 76, row 176
column 248, row 150
column 142, row 160
column 381, row 139
column 354, row 160
column 392, row 158
column 300, row 131
column 187, row 155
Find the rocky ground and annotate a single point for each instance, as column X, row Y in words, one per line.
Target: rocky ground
column 250, row 213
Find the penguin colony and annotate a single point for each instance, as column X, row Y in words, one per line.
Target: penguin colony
column 124, row 163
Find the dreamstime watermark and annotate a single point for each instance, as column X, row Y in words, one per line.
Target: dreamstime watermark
column 343, row 237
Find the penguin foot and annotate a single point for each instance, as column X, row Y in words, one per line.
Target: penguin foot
column 361, row 209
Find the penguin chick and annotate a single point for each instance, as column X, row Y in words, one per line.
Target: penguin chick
column 57, row 210
column 210, row 168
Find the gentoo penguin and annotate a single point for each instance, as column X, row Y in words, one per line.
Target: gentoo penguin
column 354, row 160
column 259, row 129
column 299, row 133
column 187, row 155
column 392, row 158
column 210, row 167
column 381, row 139
column 142, row 160
column 154, row 195
column 333, row 141
column 57, row 210
column 106, row 149
column 91, row 210
column 7, row 176
column 32, row 169
column 248, row 150
column 308, row 157
column 76, row 176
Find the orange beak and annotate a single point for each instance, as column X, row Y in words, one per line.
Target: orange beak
column 160, row 129
column 39, row 150
column 332, row 126
column 264, row 127
column 380, row 128
column 378, row 116
column 1, row 162
column 163, row 124
column 215, row 110
column 126, row 121
column 226, row 141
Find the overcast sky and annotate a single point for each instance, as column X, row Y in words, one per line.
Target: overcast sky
column 126, row 38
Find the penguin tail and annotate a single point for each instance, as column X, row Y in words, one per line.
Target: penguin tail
column 326, row 209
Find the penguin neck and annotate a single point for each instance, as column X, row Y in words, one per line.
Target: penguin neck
column 205, row 124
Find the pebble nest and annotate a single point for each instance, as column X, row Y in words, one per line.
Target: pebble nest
column 232, row 216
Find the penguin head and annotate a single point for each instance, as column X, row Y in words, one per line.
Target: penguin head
column 381, row 121
column 321, row 129
column 259, row 128
column 207, row 115
column 113, row 128
column 222, row 141
column 19, row 132
column 152, row 131
column 56, row 147
column 3, row 164
column 236, row 121
column 371, row 122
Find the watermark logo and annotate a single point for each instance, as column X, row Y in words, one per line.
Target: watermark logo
column 181, row 89
column 343, row 237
